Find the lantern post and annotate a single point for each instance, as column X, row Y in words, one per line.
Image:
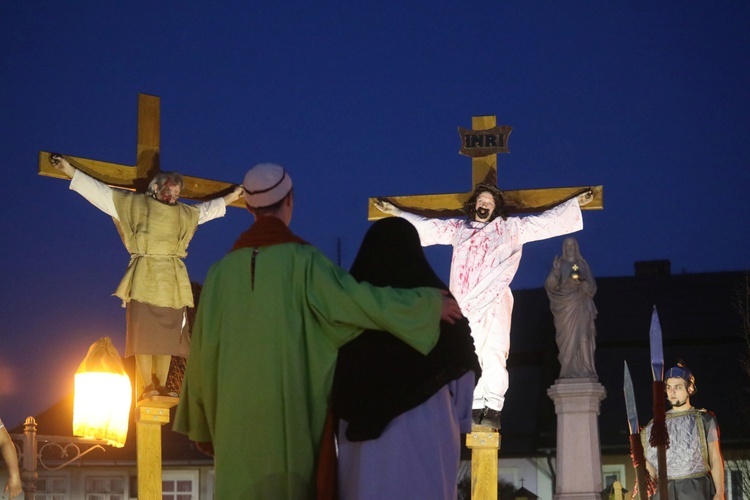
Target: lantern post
column 101, row 411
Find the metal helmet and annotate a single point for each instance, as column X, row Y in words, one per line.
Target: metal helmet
column 683, row 372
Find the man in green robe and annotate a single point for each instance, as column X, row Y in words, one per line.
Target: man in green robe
column 271, row 318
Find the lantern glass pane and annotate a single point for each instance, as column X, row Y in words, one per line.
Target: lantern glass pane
column 102, row 406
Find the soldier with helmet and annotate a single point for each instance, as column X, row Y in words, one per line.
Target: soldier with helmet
column 695, row 467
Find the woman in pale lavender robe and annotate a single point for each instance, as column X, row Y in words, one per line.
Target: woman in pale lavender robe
column 401, row 413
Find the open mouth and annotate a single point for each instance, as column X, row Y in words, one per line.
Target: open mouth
column 483, row 212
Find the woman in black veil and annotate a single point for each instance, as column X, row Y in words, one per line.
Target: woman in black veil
column 401, row 413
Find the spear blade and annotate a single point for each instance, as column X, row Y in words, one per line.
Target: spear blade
column 630, row 402
column 659, row 435
column 657, row 352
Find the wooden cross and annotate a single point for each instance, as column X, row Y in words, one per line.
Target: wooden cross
column 153, row 413
column 484, row 169
column 136, row 178
column 482, row 144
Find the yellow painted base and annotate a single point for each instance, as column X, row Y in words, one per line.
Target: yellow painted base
column 484, row 443
column 150, row 415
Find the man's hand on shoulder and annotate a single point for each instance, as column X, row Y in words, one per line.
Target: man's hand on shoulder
column 450, row 312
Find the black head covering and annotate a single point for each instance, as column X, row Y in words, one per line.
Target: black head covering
column 378, row 376
column 391, row 255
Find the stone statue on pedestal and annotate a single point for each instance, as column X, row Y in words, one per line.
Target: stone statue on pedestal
column 571, row 288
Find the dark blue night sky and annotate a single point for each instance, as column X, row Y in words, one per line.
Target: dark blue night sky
column 361, row 99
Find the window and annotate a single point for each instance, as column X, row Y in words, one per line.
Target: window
column 210, row 480
column 180, row 485
column 52, row 488
column 612, row 473
column 106, row 487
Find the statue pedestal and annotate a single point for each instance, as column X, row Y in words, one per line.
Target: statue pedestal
column 579, row 464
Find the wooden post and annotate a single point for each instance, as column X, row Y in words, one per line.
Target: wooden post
column 484, row 443
column 151, row 414
column 617, row 487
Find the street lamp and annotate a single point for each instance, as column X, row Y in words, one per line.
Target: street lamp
column 99, row 379
column 101, row 407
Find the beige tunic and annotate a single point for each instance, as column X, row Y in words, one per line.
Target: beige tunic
column 157, row 236
column 156, row 288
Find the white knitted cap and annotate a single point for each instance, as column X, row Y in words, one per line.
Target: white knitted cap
column 266, row 184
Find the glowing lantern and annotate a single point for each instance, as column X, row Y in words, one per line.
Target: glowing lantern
column 101, row 408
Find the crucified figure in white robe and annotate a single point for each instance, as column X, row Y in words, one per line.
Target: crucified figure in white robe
column 487, row 249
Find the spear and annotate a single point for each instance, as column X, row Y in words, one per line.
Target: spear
column 659, row 438
column 636, row 448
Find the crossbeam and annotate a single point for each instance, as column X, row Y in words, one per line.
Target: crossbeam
column 136, row 177
column 484, row 169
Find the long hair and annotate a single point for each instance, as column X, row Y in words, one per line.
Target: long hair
column 576, row 250
column 470, row 209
